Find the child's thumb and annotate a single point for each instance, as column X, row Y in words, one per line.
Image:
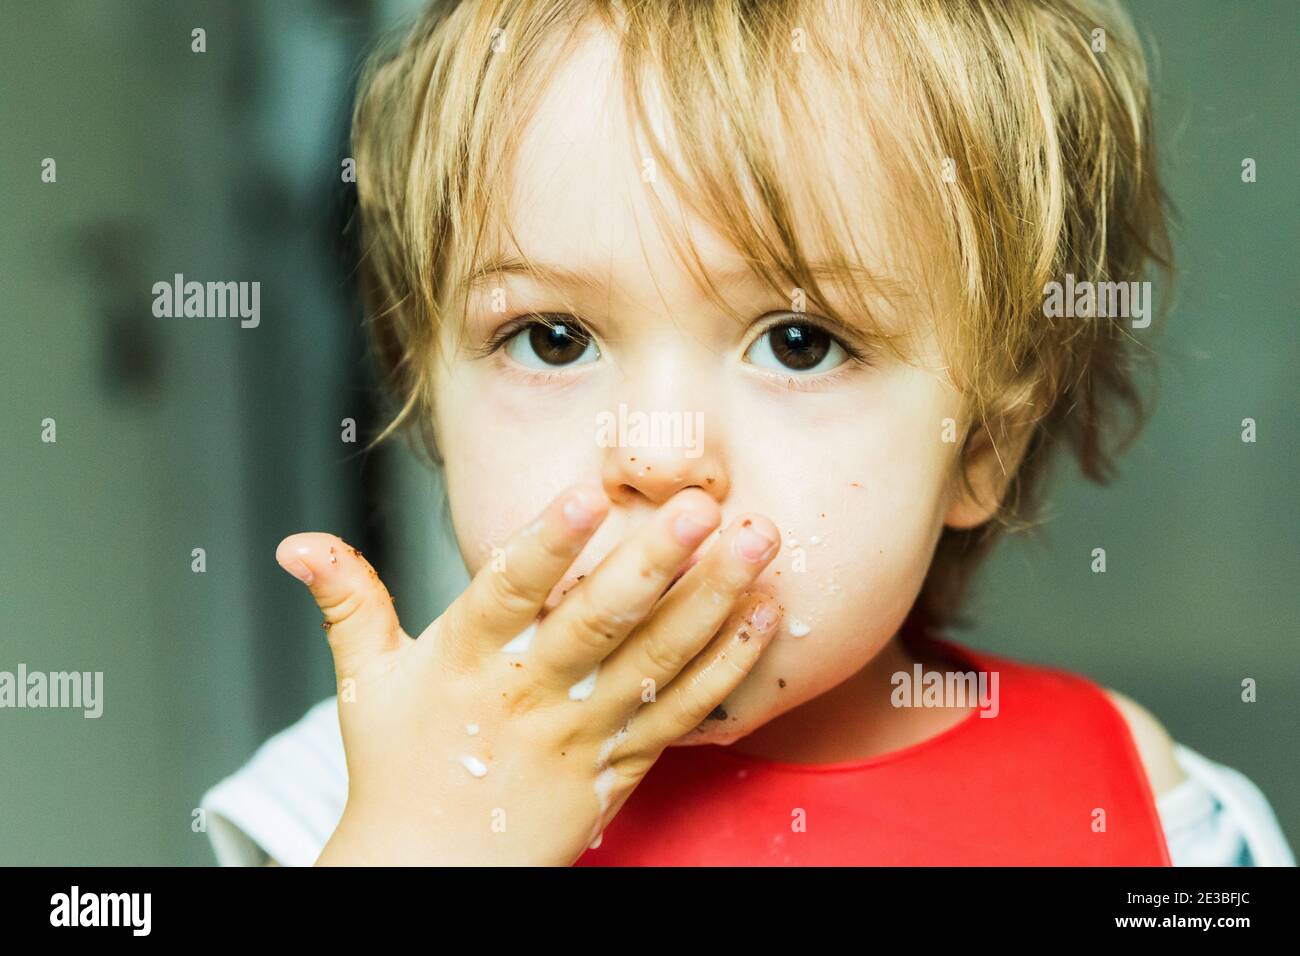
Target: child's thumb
column 360, row 621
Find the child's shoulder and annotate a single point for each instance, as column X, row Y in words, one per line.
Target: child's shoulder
column 1213, row 815
column 1154, row 745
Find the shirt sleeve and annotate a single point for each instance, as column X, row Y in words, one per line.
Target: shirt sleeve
column 286, row 801
column 1218, row 817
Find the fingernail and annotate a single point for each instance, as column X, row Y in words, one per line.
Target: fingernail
column 689, row 531
column 754, row 545
column 763, row 616
column 298, row 570
column 580, row 511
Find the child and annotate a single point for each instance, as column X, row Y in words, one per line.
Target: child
column 726, row 324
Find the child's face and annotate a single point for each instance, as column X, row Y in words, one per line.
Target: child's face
column 852, row 468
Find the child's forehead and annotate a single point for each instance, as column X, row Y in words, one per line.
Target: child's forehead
column 576, row 188
column 583, row 181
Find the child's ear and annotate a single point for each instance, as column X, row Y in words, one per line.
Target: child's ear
column 989, row 466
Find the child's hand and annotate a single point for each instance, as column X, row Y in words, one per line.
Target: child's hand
column 460, row 753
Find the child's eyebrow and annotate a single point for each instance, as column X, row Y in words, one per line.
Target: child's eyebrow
column 545, row 272
column 570, row 278
column 837, row 273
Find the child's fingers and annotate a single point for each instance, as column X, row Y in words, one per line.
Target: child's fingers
column 360, row 621
column 691, row 613
column 507, row 594
column 599, row 613
column 698, row 690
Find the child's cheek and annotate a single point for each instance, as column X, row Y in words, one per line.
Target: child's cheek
column 858, row 538
column 506, row 463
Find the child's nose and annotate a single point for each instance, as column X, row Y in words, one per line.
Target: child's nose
column 654, row 455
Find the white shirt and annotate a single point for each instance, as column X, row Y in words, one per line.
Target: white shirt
column 286, row 801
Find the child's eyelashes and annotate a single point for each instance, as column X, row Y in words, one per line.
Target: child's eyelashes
column 800, row 345
column 798, row 348
column 544, row 342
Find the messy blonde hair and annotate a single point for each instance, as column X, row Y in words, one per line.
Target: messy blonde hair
column 1024, row 150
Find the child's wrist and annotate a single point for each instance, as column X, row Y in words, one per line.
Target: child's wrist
column 363, row 839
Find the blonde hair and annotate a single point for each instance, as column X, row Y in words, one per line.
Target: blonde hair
column 1025, row 151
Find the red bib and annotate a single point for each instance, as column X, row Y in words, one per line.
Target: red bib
column 1053, row 780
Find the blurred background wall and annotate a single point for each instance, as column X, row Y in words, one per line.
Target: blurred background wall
column 195, row 433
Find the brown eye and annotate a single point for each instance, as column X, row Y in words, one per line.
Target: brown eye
column 551, row 344
column 800, row 347
column 796, row 347
column 556, row 344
